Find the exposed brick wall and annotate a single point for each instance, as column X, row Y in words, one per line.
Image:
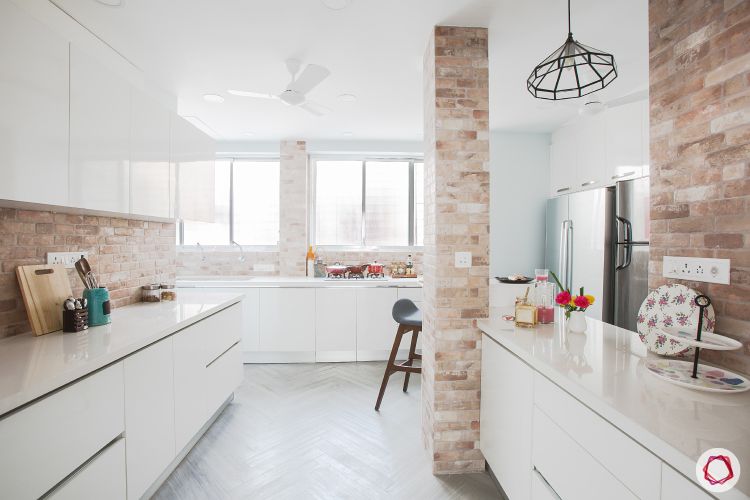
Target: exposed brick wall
column 700, row 150
column 293, row 211
column 457, row 188
column 123, row 253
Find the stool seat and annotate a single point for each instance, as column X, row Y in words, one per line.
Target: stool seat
column 409, row 319
column 405, row 312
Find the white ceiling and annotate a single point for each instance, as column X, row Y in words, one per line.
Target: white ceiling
column 374, row 49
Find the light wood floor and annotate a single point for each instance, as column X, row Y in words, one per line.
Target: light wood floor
column 309, row 431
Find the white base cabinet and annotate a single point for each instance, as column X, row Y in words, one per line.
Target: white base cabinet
column 103, row 477
column 287, row 323
column 335, row 325
column 376, row 328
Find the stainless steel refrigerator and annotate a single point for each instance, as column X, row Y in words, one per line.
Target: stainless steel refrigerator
column 599, row 239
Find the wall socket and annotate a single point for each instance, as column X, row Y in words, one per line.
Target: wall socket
column 463, row 259
column 696, row 269
column 67, row 259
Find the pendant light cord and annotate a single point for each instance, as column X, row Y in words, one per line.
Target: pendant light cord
column 570, row 32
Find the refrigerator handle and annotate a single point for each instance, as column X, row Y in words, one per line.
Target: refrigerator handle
column 628, row 236
column 562, row 259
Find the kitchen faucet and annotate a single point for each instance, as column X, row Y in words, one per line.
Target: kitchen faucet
column 241, row 258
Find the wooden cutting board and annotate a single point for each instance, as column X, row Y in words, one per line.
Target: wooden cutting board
column 44, row 289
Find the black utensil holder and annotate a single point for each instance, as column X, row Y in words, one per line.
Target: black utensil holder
column 76, row 320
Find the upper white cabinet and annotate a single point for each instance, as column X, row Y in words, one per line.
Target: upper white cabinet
column 99, row 136
column 149, row 157
column 193, row 156
column 34, row 103
column 600, row 150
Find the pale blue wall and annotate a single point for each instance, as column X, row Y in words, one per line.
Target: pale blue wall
column 519, row 187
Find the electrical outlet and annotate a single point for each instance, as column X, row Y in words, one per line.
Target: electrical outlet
column 67, row 259
column 696, row 269
column 463, row 259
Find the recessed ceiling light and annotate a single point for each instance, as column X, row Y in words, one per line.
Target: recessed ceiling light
column 336, row 4
column 347, row 98
column 347, row 134
column 213, row 98
column 111, row 3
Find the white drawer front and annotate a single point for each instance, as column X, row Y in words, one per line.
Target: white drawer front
column 568, row 468
column 540, row 490
column 414, row 294
column 48, row 440
column 221, row 331
column 633, row 465
column 223, row 376
column 103, row 477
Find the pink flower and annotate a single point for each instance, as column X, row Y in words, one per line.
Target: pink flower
column 581, row 301
column 563, row 298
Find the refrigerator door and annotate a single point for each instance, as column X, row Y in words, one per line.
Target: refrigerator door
column 557, row 217
column 633, row 207
column 631, row 287
column 591, row 213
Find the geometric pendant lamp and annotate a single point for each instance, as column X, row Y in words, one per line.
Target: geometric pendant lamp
column 573, row 70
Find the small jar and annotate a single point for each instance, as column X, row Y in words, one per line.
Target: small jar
column 151, row 293
column 168, row 293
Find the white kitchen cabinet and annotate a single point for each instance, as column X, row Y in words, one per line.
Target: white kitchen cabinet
column 563, row 161
column 675, row 486
column 287, row 324
column 223, row 376
column 624, row 142
column 376, row 328
column 190, row 409
column 99, row 135
column 414, row 294
column 506, row 416
column 34, row 103
column 591, row 152
column 149, row 157
column 335, row 325
column 47, row 440
column 193, row 157
column 540, row 489
column 103, row 477
column 149, row 415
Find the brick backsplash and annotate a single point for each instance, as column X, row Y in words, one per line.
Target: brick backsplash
column 293, row 208
column 124, row 253
column 456, row 112
column 700, row 151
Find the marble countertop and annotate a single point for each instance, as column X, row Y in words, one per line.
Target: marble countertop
column 604, row 368
column 31, row 367
column 290, row 282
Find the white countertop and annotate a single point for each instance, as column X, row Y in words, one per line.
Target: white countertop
column 291, row 282
column 604, row 369
column 31, row 367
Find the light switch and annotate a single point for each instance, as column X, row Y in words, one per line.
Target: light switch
column 696, row 269
column 463, row 259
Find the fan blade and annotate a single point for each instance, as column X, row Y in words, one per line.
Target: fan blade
column 315, row 108
column 245, row 93
column 311, row 76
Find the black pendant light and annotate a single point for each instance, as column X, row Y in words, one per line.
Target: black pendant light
column 573, row 70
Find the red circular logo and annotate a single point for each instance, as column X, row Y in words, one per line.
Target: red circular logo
column 708, row 474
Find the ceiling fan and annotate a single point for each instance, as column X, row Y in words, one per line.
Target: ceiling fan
column 298, row 87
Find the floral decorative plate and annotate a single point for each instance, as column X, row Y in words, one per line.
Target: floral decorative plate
column 709, row 378
column 671, row 305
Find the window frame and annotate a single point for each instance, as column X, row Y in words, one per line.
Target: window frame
column 230, row 245
column 363, row 159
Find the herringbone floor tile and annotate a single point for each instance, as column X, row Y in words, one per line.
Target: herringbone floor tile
column 309, row 431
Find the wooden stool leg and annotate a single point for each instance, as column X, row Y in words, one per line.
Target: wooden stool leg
column 412, row 352
column 391, row 363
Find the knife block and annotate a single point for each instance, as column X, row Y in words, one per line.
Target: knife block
column 76, row 320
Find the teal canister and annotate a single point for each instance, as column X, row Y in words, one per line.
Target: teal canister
column 98, row 304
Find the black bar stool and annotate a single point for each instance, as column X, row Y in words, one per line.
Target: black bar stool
column 409, row 318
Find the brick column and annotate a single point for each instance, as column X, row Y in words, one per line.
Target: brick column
column 700, row 151
column 456, row 219
column 293, row 208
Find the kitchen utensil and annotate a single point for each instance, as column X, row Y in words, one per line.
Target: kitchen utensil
column 86, row 269
column 671, row 305
column 356, row 271
column 99, row 306
column 44, row 288
column 336, row 270
column 76, row 319
column 82, row 274
column 376, row 269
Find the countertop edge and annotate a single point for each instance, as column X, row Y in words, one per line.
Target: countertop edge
column 657, row 446
column 17, row 402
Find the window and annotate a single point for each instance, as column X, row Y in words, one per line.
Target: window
column 368, row 202
column 247, row 206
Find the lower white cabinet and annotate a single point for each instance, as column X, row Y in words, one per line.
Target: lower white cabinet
column 103, row 477
column 376, row 328
column 335, row 325
column 149, row 415
column 223, row 375
column 540, row 489
column 287, row 324
column 506, row 416
column 675, row 486
column 190, row 409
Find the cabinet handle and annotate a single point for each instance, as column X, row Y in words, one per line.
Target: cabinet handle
column 562, row 190
column 588, row 183
column 620, row 176
column 546, row 484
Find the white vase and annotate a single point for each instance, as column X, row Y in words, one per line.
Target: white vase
column 577, row 321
